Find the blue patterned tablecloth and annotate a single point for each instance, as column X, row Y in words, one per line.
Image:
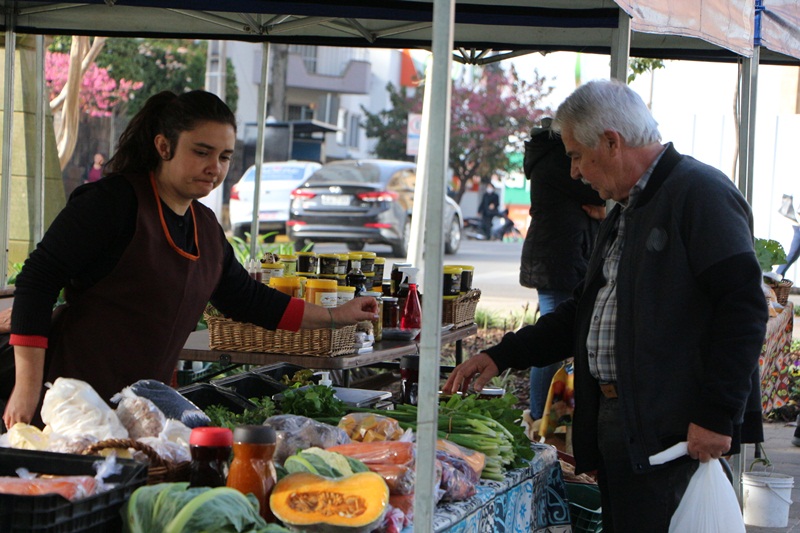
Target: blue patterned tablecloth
column 528, row 499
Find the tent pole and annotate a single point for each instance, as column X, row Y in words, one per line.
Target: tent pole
column 8, row 129
column 431, row 342
column 261, row 116
column 621, row 47
column 747, row 96
column 39, row 162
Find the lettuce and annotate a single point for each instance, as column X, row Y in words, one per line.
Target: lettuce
column 176, row 508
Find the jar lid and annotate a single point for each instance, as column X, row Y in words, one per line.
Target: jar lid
column 254, row 434
column 345, row 288
column 329, row 284
column 371, row 293
column 368, row 255
column 390, row 299
column 211, row 436
column 380, row 260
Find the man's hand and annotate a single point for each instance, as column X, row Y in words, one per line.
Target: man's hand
column 705, row 444
column 5, row 320
column 480, row 365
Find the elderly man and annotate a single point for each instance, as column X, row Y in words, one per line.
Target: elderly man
column 667, row 325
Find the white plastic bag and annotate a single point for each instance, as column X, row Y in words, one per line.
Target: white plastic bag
column 709, row 504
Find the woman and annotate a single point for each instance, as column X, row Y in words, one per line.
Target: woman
column 139, row 258
column 95, row 171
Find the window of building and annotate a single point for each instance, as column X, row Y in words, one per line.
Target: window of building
column 308, row 53
column 354, row 131
column 300, row 112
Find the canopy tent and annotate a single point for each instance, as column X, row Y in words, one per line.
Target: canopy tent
column 711, row 30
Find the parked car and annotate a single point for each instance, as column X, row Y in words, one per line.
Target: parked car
column 364, row 201
column 278, row 180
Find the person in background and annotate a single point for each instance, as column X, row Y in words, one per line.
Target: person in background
column 667, row 325
column 794, row 247
column 488, row 209
column 565, row 215
column 139, row 259
column 95, row 171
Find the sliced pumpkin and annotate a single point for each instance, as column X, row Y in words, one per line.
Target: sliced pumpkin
column 352, row 504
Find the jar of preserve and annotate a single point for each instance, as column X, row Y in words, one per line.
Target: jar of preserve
column 287, row 284
column 328, row 264
column 344, row 294
column 252, row 470
column 211, row 450
column 368, row 262
column 377, row 323
column 322, row 292
column 380, row 262
column 306, row 262
column 289, row 263
column 391, row 312
column 451, row 280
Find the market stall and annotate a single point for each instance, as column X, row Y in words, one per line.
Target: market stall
column 777, row 361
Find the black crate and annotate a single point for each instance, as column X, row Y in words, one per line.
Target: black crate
column 251, row 385
column 278, row 370
column 204, row 395
column 55, row 514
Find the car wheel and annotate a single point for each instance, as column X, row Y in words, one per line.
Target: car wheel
column 356, row 246
column 452, row 239
column 400, row 249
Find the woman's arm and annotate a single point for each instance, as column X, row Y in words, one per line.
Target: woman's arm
column 21, row 405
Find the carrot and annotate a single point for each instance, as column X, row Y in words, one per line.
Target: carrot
column 70, row 487
column 385, row 452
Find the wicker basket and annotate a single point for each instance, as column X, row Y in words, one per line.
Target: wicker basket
column 227, row 334
column 158, row 471
column 461, row 311
column 782, row 289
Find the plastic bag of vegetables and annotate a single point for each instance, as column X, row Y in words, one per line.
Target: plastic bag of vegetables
column 176, row 508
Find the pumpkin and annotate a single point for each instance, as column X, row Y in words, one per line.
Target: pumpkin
column 352, row 504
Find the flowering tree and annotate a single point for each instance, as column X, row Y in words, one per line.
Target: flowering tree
column 491, row 115
column 99, row 92
column 79, row 87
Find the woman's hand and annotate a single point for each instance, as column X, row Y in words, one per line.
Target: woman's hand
column 29, row 372
column 481, row 368
column 356, row 310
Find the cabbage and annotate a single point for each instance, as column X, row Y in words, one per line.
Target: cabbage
column 176, row 508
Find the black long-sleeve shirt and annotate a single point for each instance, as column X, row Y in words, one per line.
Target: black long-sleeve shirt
column 86, row 241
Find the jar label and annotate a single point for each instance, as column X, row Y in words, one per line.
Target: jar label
column 326, row 299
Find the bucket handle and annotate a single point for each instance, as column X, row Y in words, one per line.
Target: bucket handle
column 785, row 500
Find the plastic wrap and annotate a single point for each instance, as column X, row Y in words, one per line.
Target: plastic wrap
column 389, row 452
column 169, row 451
column 73, row 408
column 70, row 487
column 458, row 479
column 139, row 415
column 170, row 402
column 368, row 427
column 399, row 478
column 475, row 459
column 76, row 445
column 296, row 433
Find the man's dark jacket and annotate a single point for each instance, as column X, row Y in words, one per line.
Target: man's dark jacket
column 691, row 315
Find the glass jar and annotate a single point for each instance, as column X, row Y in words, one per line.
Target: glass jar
column 306, row 262
column 391, row 312
column 211, row 450
column 287, row 284
column 252, row 470
column 377, row 323
column 380, row 262
column 289, row 264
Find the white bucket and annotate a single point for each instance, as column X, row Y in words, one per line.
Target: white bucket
column 766, row 498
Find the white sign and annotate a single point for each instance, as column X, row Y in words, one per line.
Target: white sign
column 414, row 130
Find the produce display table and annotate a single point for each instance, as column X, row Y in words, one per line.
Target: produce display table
column 196, row 349
column 777, row 361
column 530, row 499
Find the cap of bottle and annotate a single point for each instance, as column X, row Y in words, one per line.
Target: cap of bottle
column 254, row 434
column 211, row 436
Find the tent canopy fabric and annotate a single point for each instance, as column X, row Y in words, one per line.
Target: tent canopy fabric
column 779, row 27
column 708, row 30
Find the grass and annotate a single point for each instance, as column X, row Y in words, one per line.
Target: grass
column 505, row 320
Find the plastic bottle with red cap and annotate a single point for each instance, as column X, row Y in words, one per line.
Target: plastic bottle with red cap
column 211, row 450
